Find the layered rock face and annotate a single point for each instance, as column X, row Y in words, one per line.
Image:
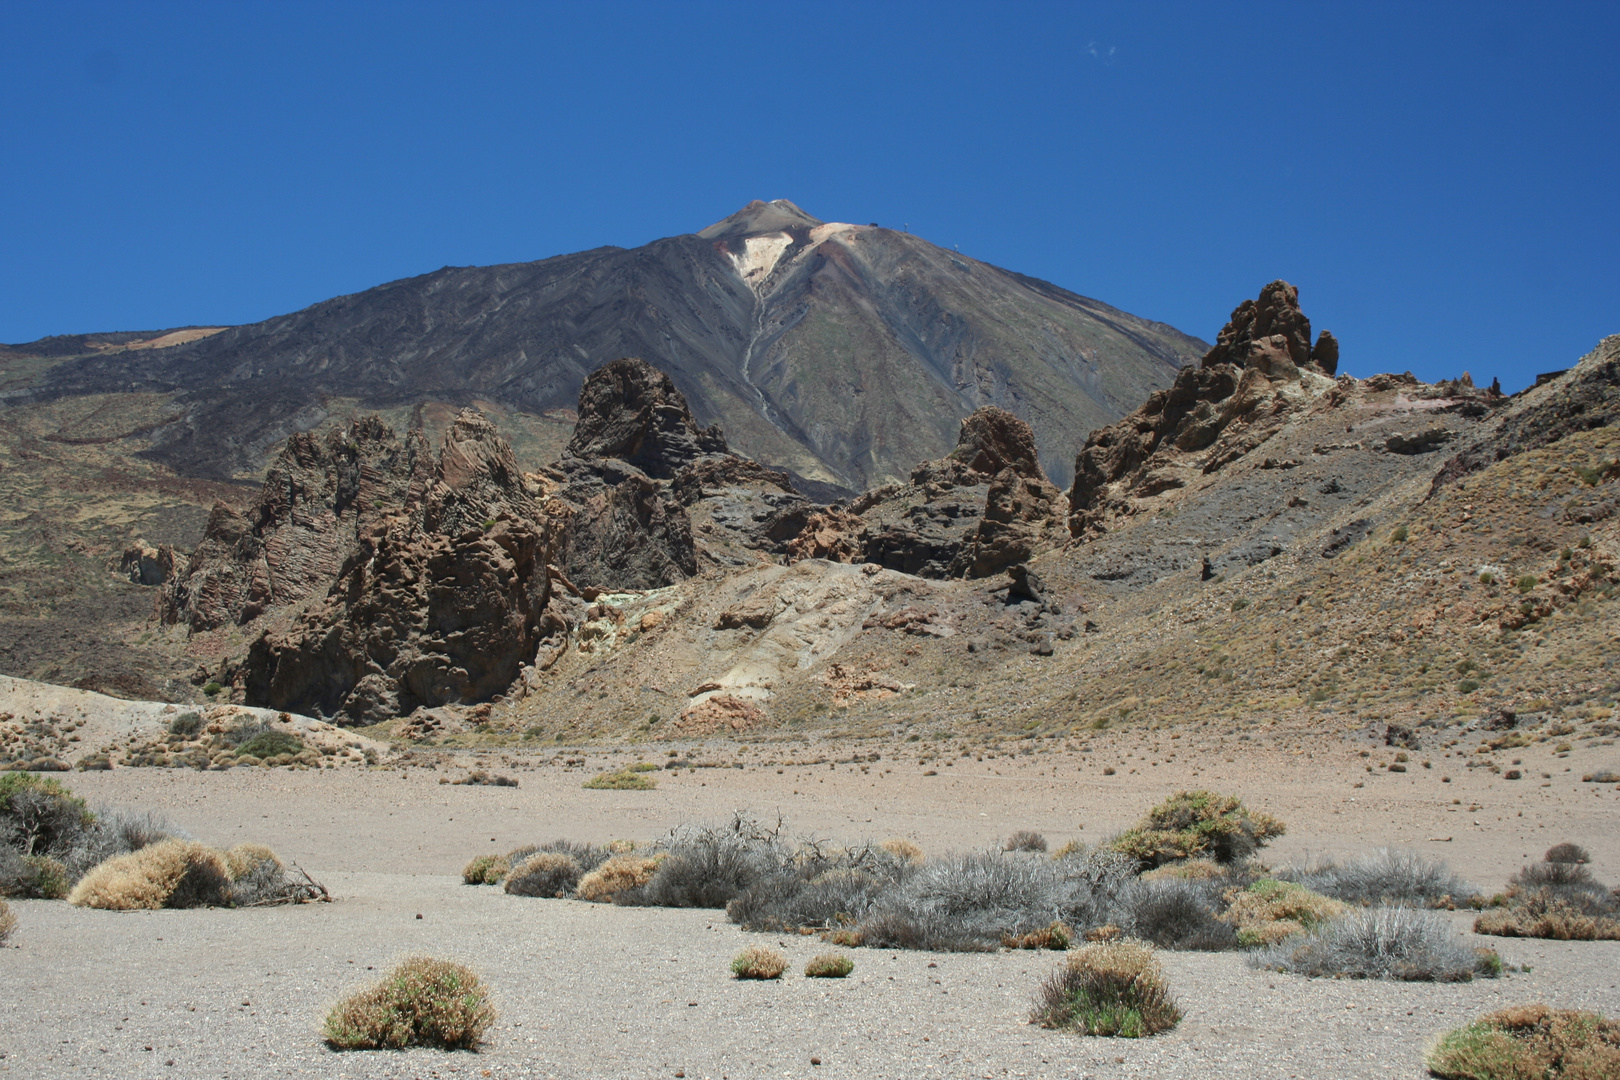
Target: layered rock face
column 442, row 601
column 636, row 464
column 982, row 508
column 320, row 495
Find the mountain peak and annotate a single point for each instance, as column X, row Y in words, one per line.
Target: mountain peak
column 758, row 217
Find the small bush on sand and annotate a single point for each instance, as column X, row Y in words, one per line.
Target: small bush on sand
column 1567, row 853
column 421, row 1002
column 32, row 877
column 1385, row 876
column 545, row 873
column 623, row 780
column 617, row 875
column 758, row 962
column 1557, row 899
column 39, row 816
column 174, row 873
column 269, row 744
column 485, row 870
column 1270, row 910
column 1197, row 824
column 1056, row 937
column 1109, row 988
column 8, row 922
column 1530, row 1042
column 1025, row 840
column 829, row 966
column 1378, row 943
column 710, row 865
column 903, row 849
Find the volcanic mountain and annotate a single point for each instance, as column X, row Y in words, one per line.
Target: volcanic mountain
column 844, row 353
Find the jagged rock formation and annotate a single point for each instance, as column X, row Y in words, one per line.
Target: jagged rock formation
column 985, row 506
column 144, row 564
column 443, row 601
column 1272, row 332
column 319, row 497
column 1261, row 370
column 637, row 463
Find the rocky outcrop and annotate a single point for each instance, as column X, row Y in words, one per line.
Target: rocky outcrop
column 1271, row 333
column 321, row 493
column 636, row 469
column 1261, row 370
column 985, row 506
column 144, row 564
column 442, row 602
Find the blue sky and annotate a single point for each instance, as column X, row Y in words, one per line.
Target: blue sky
column 1439, row 180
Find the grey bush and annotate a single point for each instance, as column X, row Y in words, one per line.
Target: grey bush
column 1384, row 876
column 709, row 866
column 1175, row 913
column 116, row 832
column 1377, row 943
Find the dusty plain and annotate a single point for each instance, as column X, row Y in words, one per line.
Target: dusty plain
column 603, row 991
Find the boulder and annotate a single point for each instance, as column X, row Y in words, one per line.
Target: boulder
column 144, row 564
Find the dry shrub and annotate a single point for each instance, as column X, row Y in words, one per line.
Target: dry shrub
column 1380, row 943
column 1545, row 914
column 1385, row 876
column 617, row 875
column 245, row 860
column 1056, row 937
column 173, row 873
column 1270, row 910
column 829, row 966
column 1530, row 1042
column 1178, row 912
column 1191, row 870
column 545, row 873
column 485, row 870
column 1197, row 825
column 421, row 1002
column 904, row 849
column 32, row 877
column 1109, row 988
column 849, row 939
column 1567, row 853
column 622, row 780
column 758, row 962
column 8, row 921
column 1025, row 840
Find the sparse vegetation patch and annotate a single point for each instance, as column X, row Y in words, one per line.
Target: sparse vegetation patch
column 1108, row 988
column 421, row 1002
column 1530, row 1042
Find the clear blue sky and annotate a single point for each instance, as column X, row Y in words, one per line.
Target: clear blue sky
column 1439, row 180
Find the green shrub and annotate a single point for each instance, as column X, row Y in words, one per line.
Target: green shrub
column 1527, row 583
column 212, row 688
column 40, row 815
column 270, row 744
column 1467, row 686
column 1197, row 824
column 623, row 780
column 1399, row 535
column 758, row 962
column 1530, row 1042
column 32, row 877
column 421, row 1002
column 485, row 870
column 829, row 966
column 1108, row 988
column 1270, row 910
column 186, row 724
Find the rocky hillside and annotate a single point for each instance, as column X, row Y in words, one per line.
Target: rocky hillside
column 844, row 353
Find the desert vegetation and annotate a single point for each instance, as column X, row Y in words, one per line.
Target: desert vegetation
column 1556, row 898
column 421, row 1002
column 1108, row 988
column 758, row 962
column 56, row 847
column 1380, row 943
column 829, row 966
column 8, row 922
column 1530, row 1042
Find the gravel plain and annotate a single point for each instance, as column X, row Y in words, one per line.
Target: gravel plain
column 599, row 991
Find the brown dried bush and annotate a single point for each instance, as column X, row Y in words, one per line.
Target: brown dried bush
column 421, row 1002
column 617, row 875
column 1056, row 937
column 485, row 870
column 173, row 873
column 1109, row 988
column 545, row 873
column 829, row 966
column 758, row 962
column 1530, row 1042
column 903, row 849
column 1545, row 914
column 8, row 921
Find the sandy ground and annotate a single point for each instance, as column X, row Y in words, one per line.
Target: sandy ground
column 587, row 990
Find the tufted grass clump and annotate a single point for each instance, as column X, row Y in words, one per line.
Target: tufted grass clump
column 8, row 921
column 1197, row 825
column 829, row 966
column 1557, row 898
column 1270, row 910
column 545, row 873
column 172, row 873
column 622, row 780
column 1380, row 943
column 617, row 875
column 421, row 1002
column 1108, row 988
column 1529, row 1042
column 759, row 962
